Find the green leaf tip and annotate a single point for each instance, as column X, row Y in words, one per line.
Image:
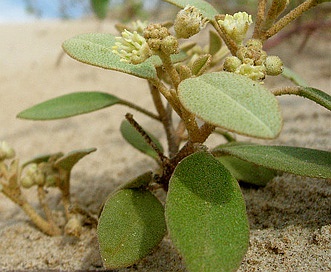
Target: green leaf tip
column 233, row 102
column 131, row 224
column 295, row 160
column 206, row 215
column 69, row 105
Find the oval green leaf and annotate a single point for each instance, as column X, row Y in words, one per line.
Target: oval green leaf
column 206, row 9
column 131, row 224
column 206, row 215
column 69, row 105
column 296, row 160
column 133, row 137
column 68, row 161
column 233, row 102
column 96, row 49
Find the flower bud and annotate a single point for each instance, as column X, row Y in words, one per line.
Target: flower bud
column 6, row 151
column 256, row 73
column 231, row 64
column 27, row 182
column 169, row 45
column 189, row 21
column 236, row 26
column 273, row 65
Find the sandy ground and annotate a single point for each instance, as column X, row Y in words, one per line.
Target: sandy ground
column 290, row 218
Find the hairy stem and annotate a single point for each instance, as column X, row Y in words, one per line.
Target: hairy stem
column 288, row 18
column 260, row 17
column 165, row 116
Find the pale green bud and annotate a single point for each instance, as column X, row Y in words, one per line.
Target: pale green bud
column 169, row 45
column 132, row 47
column 74, row 226
column 237, row 25
column 231, row 64
column 6, row 151
column 27, row 182
column 188, row 22
column 273, row 65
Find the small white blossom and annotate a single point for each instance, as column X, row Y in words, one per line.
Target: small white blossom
column 237, row 25
column 189, row 21
column 132, row 47
column 256, row 73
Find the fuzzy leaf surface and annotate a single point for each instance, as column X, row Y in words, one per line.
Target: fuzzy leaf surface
column 69, row 105
column 206, row 215
column 131, row 224
column 296, row 160
column 133, row 137
column 96, row 49
column 233, row 102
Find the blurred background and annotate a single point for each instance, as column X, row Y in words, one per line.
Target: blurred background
column 11, row 11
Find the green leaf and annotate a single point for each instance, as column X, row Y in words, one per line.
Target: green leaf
column 68, row 161
column 215, row 42
column 201, row 64
column 100, row 8
column 206, row 9
column 139, row 182
column 294, row 77
column 296, row 160
column 69, row 105
column 42, row 158
column 246, row 171
column 133, row 137
column 206, row 215
column 131, row 224
column 233, row 102
column 317, row 96
column 96, row 49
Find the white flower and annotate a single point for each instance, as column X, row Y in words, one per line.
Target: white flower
column 237, row 25
column 189, row 21
column 256, row 73
column 132, row 47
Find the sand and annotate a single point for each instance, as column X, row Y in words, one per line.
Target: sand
column 290, row 218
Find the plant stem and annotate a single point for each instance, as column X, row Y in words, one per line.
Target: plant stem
column 260, row 16
column 170, row 68
column 136, row 107
column 147, row 138
column 288, row 18
column 40, row 222
column 165, row 116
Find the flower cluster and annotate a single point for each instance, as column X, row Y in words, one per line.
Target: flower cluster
column 132, row 47
column 253, row 62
